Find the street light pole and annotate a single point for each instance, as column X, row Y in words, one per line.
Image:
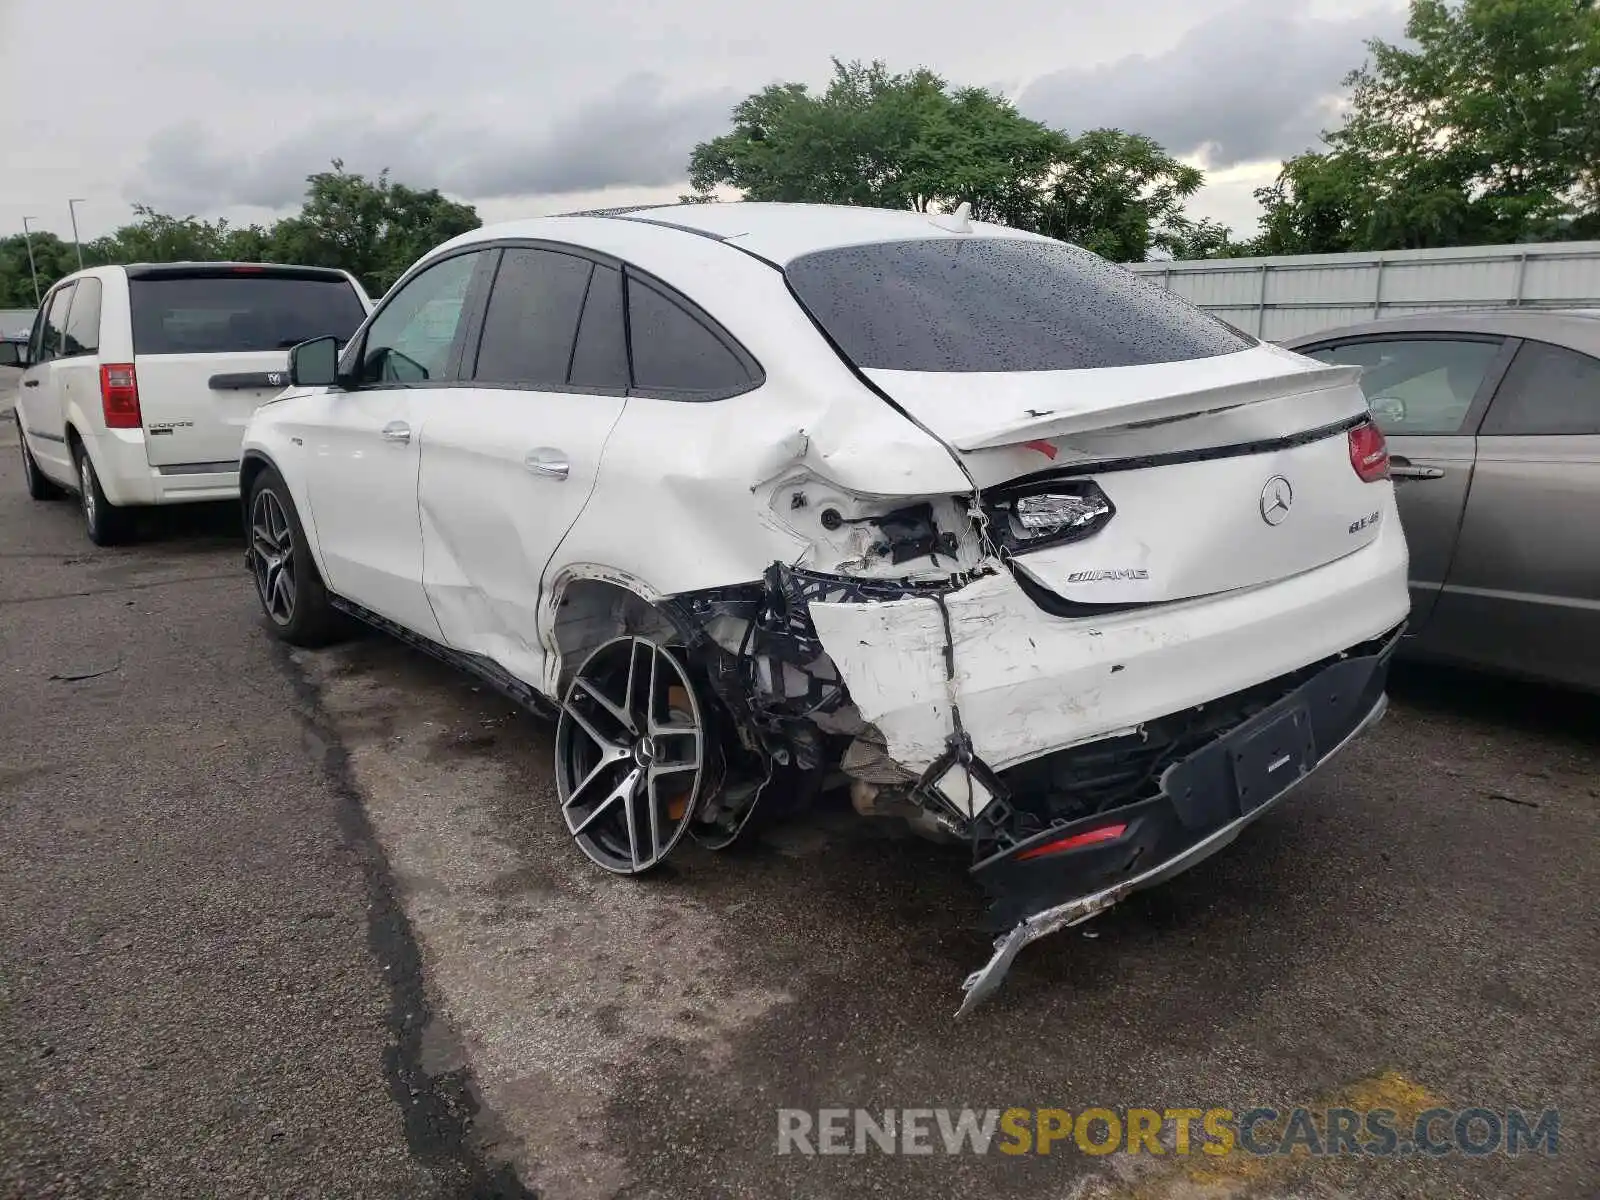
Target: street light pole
column 27, row 236
column 72, row 207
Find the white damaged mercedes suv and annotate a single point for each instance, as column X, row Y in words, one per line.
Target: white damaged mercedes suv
column 766, row 499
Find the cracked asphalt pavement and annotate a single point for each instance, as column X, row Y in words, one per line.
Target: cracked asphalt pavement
column 306, row 924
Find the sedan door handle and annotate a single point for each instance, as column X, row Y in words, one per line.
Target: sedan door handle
column 549, row 462
column 1400, row 468
column 397, row 431
column 30, row 383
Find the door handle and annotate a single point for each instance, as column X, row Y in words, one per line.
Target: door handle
column 30, row 383
column 1402, row 468
column 549, row 462
column 397, row 431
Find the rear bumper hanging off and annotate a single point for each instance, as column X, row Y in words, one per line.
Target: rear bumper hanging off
column 1205, row 800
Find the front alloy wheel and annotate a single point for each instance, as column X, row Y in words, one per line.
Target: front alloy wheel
column 630, row 754
column 272, row 557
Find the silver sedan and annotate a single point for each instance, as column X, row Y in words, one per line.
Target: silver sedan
column 1493, row 421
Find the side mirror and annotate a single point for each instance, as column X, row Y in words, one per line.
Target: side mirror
column 1389, row 410
column 315, row 363
column 13, row 354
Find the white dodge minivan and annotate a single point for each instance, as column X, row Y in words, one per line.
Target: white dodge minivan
column 139, row 379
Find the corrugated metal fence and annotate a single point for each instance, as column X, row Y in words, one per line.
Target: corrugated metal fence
column 1283, row 297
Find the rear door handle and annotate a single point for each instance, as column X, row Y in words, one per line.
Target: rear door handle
column 30, row 383
column 548, row 461
column 397, row 431
column 1400, row 468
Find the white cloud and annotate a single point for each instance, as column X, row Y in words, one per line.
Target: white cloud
column 222, row 110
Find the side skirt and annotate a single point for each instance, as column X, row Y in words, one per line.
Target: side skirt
column 485, row 669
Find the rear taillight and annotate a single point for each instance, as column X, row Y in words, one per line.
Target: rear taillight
column 1076, row 841
column 119, row 395
column 1369, row 453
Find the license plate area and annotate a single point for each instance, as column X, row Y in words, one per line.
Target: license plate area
column 1267, row 760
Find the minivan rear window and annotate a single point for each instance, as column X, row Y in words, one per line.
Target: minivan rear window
column 231, row 314
column 997, row 304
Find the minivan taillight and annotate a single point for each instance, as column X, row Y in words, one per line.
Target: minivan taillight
column 119, row 396
column 1369, row 453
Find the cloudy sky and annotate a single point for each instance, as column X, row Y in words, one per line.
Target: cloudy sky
column 219, row 109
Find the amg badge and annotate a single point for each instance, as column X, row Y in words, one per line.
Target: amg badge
column 1114, row 573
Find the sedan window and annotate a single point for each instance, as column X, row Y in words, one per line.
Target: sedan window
column 1420, row 386
column 532, row 318
column 411, row 338
column 600, row 358
column 675, row 352
column 1548, row 390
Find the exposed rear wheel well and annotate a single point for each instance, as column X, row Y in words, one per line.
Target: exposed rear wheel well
column 591, row 612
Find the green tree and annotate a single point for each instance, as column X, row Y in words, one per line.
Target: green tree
column 52, row 258
column 374, row 229
column 1488, row 130
column 910, row 141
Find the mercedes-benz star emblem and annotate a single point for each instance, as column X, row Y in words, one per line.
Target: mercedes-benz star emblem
column 1276, row 499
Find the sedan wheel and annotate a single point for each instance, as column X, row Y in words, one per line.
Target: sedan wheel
column 630, row 754
column 272, row 557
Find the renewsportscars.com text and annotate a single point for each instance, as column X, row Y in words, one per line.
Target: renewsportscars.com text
column 1217, row 1132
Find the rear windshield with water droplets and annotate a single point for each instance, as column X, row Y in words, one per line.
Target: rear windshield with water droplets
column 998, row 304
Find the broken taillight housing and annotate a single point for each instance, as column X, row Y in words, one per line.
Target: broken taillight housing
column 1046, row 512
column 1369, row 452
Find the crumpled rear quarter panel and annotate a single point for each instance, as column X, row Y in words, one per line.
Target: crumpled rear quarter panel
column 1028, row 683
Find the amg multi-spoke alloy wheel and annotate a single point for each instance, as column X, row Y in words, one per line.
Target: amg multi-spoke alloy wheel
column 272, row 557
column 287, row 583
column 630, row 754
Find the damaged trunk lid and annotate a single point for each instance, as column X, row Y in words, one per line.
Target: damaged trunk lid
column 1177, row 457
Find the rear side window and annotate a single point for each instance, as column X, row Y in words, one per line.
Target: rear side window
column 998, row 304
column 673, row 351
column 82, row 334
column 1417, row 386
column 238, row 313
column 532, row 318
column 1548, row 390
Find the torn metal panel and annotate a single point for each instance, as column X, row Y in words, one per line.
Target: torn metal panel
column 1028, row 683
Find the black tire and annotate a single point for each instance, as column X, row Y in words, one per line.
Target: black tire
column 39, row 487
column 293, row 598
column 106, row 524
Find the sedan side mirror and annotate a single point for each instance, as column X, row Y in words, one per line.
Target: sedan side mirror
column 315, row 363
column 13, row 354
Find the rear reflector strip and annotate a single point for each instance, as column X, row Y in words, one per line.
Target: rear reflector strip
column 1090, row 837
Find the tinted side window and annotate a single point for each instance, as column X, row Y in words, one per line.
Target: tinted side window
column 532, row 318
column 83, row 322
column 1423, row 386
column 998, row 304
column 55, row 325
column 411, row 340
column 600, row 358
column 673, row 351
column 1548, row 390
